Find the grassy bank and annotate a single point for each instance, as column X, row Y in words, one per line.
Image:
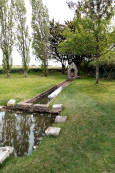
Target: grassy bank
column 86, row 142
column 20, row 88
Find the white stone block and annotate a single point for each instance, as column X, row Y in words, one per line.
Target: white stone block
column 11, row 102
column 52, row 131
column 60, row 119
column 5, row 152
column 55, row 93
column 57, row 106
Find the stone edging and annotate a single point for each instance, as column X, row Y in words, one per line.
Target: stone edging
column 29, row 105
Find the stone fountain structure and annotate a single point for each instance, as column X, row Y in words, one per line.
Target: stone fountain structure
column 72, row 71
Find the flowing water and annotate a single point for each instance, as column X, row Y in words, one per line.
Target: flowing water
column 22, row 131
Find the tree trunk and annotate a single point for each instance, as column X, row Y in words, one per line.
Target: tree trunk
column 8, row 74
column 25, row 73
column 45, row 72
column 63, row 68
column 97, row 70
column 97, row 59
column 45, row 68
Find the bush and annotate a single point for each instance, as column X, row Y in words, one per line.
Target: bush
column 106, row 71
column 31, row 69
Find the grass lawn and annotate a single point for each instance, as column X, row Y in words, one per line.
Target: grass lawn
column 20, row 88
column 86, row 142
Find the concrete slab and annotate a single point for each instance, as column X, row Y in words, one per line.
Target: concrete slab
column 5, row 153
column 60, row 119
column 52, row 131
column 11, row 102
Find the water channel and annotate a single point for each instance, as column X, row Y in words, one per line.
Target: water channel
column 43, row 100
column 23, row 131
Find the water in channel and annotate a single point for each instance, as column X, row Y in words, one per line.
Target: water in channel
column 43, row 100
column 22, row 131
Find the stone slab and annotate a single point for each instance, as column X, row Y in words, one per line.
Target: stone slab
column 32, row 107
column 57, row 106
column 55, row 93
column 23, row 106
column 5, row 153
column 40, row 108
column 41, row 105
column 52, row 131
column 60, row 119
column 11, row 102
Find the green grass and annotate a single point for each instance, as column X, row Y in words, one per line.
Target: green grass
column 86, row 142
column 20, row 88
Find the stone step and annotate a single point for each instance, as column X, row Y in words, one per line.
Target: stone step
column 60, row 119
column 57, row 107
column 52, row 131
column 5, row 153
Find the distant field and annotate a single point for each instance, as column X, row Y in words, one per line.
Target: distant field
column 33, row 66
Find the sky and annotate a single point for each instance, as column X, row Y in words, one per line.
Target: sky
column 58, row 10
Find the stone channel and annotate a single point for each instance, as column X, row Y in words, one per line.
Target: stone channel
column 41, row 102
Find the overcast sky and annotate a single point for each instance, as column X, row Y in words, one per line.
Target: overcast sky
column 58, row 10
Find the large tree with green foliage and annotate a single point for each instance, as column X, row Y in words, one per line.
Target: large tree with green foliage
column 99, row 13
column 22, row 34
column 40, row 26
column 7, row 33
column 78, row 42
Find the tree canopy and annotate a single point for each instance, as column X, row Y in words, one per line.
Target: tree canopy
column 7, row 33
column 91, row 34
column 22, row 34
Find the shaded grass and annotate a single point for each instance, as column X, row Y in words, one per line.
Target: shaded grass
column 20, row 88
column 86, row 142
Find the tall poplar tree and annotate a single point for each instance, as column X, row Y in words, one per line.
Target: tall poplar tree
column 22, row 34
column 6, row 33
column 40, row 26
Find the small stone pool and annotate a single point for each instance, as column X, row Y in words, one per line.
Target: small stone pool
column 23, row 131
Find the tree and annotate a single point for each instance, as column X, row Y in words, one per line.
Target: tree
column 40, row 26
column 23, row 39
column 100, row 12
column 6, row 33
column 56, row 37
column 78, row 42
column 109, row 56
